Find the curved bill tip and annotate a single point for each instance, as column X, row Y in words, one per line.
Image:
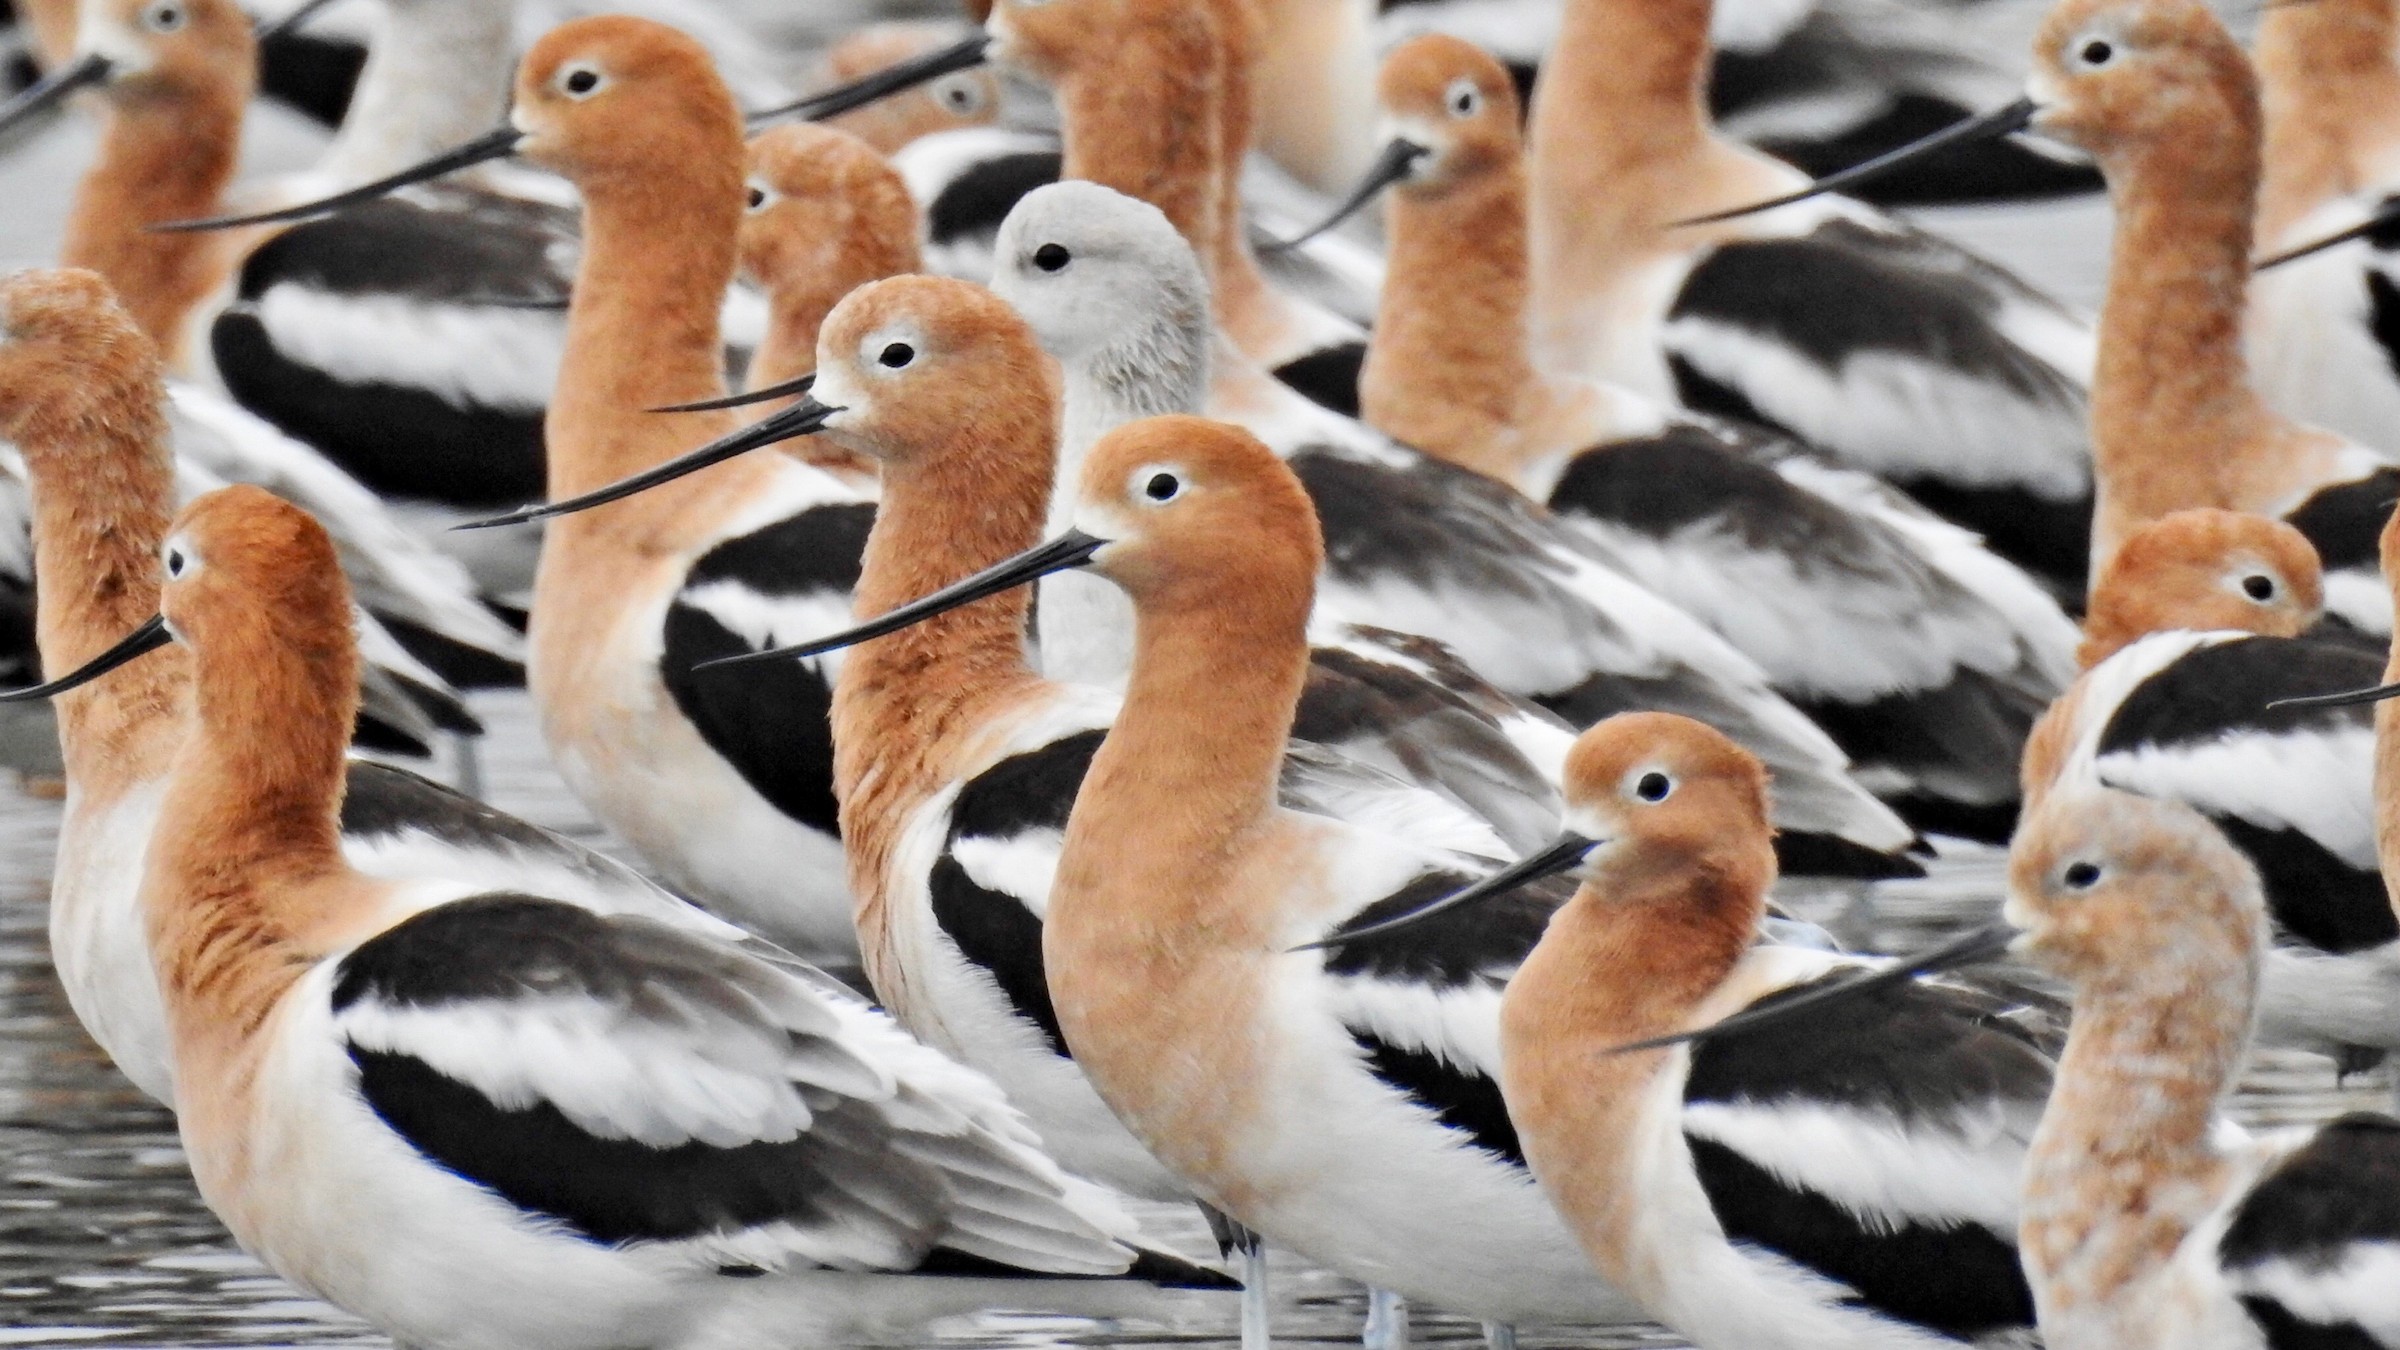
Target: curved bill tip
column 804, row 418
column 964, row 54
column 2347, row 698
column 1395, row 163
column 498, row 143
column 1989, row 126
column 1987, row 943
column 1565, row 853
column 148, row 638
column 1070, row 550
column 83, row 72
column 764, row 394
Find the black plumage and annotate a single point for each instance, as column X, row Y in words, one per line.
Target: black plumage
column 1328, row 376
column 973, row 204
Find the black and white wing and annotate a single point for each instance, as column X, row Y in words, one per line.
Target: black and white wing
column 1881, row 1147
column 783, row 582
column 2185, row 717
column 2325, row 330
column 965, row 182
column 385, row 336
column 1419, row 546
column 1925, row 657
column 2313, row 1251
column 1907, row 357
column 626, row 1082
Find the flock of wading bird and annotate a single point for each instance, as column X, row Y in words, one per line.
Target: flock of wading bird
column 1369, row 837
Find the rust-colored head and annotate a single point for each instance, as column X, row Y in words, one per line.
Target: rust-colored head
column 2121, row 76
column 1671, row 802
column 68, row 352
column 825, row 211
column 608, row 98
column 2107, row 887
column 1056, row 40
column 2204, row 569
column 925, row 365
column 1200, row 515
column 255, row 588
column 962, row 98
column 1452, row 98
column 165, row 53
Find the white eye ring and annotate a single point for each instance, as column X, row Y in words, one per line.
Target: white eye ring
column 179, row 559
column 2092, row 51
column 758, row 196
column 1156, row 484
column 961, row 94
column 1463, row 98
column 2260, row 587
column 1653, row 785
column 165, row 17
column 580, row 80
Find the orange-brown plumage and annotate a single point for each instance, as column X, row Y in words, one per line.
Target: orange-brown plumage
column 2174, row 123
column 828, row 215
column 2122, row 1166
column 1448, row 367
column 2329, row 78
column 2204, row 569
column 966, row 98
column 966, row 441
column 82, row 398
column 1669, row 904
column 171, row 142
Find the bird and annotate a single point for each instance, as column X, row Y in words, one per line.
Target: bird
column 1924, row 655
column 175, row 77
column 733, row 1147
column 723, row 786
column 2143, row 1225
column 1848, row 1178
column 1206, row 946
column 1881, row 345
column 957, row 101
column 2203, row 654
column 2161, row 96
column 82, row 400
column 2320, row 340
column 1414, row 545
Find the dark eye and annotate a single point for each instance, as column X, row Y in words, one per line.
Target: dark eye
column 1052, row 257
column 581, row 81
column 1653, row 787
column 2097, row 52
column 175, row 562
column 164, row 18
column 2081, row 876
column 2259, row 586
column 897, row 354
column 1464, row 99
column 1162, row 487
column 758, row 198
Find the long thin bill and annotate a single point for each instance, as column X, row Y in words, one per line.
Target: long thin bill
column 2384, row 218
column 1564, row 854
column 1989, row 126
column 962, row 55
column 148, row 638
column 1070, row 550
column 1389, row 167
column 805, row 418
column 2347, row 698
column 498, row 143
column 765, row 394
column 1983, row 944
column 52, row 89
column 293, row 18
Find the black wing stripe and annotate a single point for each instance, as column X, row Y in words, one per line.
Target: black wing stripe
column 1464, row 1100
